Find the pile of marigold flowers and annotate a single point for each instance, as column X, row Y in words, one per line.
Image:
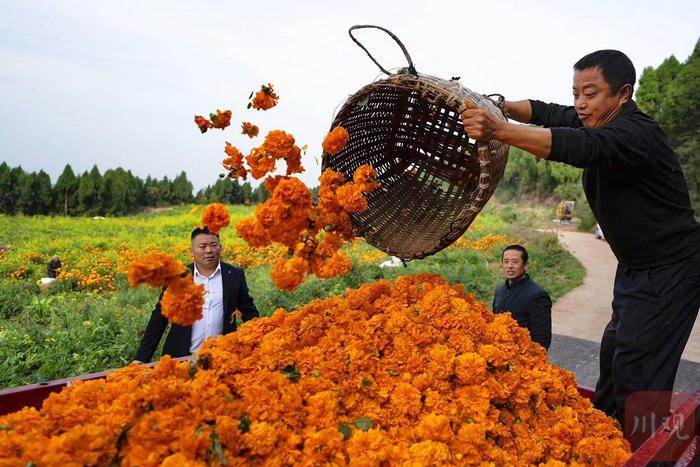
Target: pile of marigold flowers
column 413, row 372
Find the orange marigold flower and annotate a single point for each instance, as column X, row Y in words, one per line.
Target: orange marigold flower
column 278, row 144
column 249, row 129
column 220, row 119
column 337, row 265
column 366, row 178
column 265, row 98
column 270, row 183
column 288, row 274
column 336, row 140
column 260, row 162
column 293, row 160
column 234, row 162
column 252, row 232
column 182, row 301
column 154, row 269
column 350, row 198
column 287, row 212
column 215, row 217
column 202, row 123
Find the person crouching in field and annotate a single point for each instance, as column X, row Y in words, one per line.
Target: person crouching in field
column 226, row 291
column 527, row 302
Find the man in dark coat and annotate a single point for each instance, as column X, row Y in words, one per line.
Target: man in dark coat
column 527, row 302
column 225, row 292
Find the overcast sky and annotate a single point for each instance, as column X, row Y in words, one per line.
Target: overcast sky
column 118, row 83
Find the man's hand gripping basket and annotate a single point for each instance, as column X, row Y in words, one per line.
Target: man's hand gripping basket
column 434, row 179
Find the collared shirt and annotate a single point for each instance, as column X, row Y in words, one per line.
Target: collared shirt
column 212, row 321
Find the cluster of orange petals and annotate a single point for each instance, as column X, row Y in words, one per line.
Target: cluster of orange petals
column 336, row 140
column 218, row 120
column 265, row 98
column 407, row 373
column 234, row 162
column 249, row 129
column 215, row 217
column 183, row 299
column 263, row 159
column 313, row 234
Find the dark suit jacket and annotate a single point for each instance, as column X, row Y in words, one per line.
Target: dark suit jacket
column 177, row 344
column 529, row 305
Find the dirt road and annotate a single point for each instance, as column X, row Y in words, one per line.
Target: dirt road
column 584, row 312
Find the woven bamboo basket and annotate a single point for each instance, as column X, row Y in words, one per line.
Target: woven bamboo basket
column 434, row 178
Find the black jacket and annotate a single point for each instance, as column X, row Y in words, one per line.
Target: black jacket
column 632, row 180
column 177, row 344
column 529, row 305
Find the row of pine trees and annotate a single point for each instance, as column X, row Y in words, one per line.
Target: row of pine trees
column 116, row 192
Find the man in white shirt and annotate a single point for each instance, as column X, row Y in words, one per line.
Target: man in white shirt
column 225, row 292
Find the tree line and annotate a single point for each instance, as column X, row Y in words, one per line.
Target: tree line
column 117, row 192
column 670, row 93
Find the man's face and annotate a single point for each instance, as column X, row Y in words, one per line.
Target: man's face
column 594, row 102
column 513, row 265
column 206, row 250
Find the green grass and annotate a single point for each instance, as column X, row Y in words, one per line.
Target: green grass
column 67, row 332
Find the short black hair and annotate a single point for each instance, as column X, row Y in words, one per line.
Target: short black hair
column 199, row 231
column 520, row 248
column 617, row 68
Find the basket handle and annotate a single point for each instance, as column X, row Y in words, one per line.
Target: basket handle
column 410, row 69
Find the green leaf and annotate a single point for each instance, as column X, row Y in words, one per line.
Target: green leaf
column 291, row 372
column 251, row 95
column 363, row 423
column 148, row 407
column 249, row 105
column 316, row 373
column 367, row 382
column 416, row 311
column 244, row 424
column 345, row 430
column 347, row 361
column 217, row 446
column 212, row 117
column 198, row 431
column 5, row 427
column 393, row 373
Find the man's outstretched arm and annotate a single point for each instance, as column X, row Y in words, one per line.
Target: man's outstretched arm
column 482, row 126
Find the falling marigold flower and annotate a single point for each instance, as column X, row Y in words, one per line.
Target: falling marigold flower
column 182, row 301
column 154, row 269
column 337, row 265
column 221, row 119
column 288, row 274
column 336, row 140
column 252, row 232
column 260, row 162
column 202, row 123
column 195, row 209
column 350, row 198
column 366, row 178
column 215, row 217
column 249, row 129
column 234, row 162
column 265, row 98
